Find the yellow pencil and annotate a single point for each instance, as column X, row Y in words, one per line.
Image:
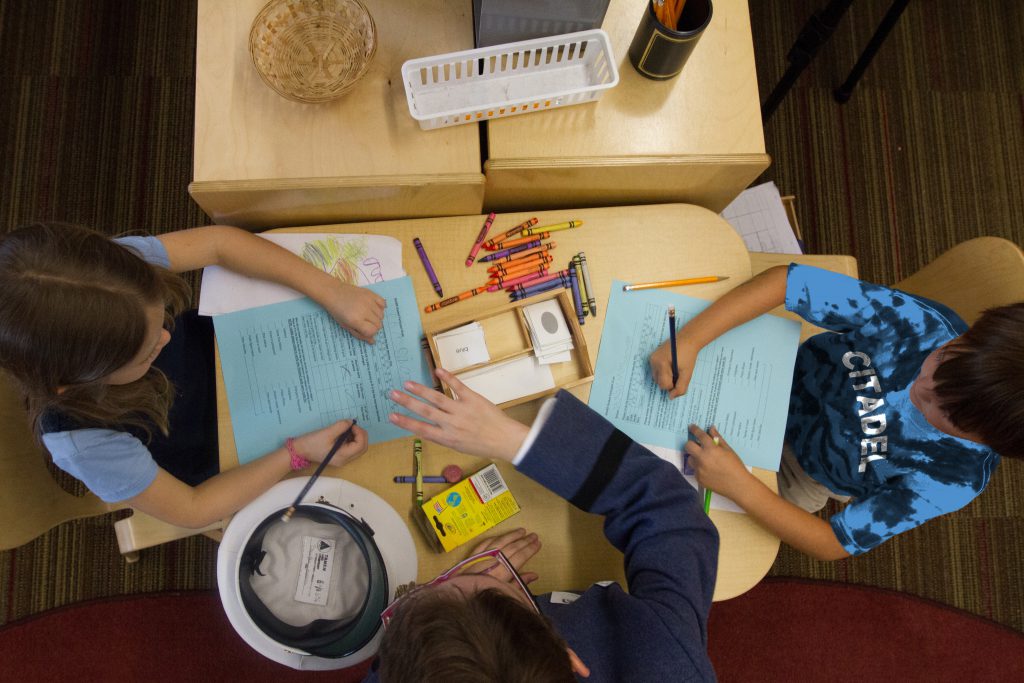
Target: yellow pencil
column 675, row 283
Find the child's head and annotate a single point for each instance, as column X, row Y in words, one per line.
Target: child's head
column 979, row 382
column 81, row 318
column 482, row 636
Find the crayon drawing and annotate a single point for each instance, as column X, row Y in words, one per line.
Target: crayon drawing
column 345, row 259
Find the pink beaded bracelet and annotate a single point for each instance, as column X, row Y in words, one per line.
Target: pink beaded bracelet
column 298, row 462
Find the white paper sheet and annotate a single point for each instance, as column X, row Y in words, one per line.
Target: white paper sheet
column 718, row 501
column 353, row 259
column 759, row 216
column 461, row 347
column 510, row 379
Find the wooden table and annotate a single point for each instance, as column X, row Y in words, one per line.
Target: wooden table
column 264, row 161
column 696, row 138
column 575, row 552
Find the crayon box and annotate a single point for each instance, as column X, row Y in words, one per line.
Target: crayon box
column 466, row 509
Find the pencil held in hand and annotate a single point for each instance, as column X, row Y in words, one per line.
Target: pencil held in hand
column 342, row 439
column 672, row 344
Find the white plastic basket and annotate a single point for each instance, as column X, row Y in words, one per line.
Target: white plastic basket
column 508, row 80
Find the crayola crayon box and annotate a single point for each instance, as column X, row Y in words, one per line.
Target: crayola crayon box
column 467, row 509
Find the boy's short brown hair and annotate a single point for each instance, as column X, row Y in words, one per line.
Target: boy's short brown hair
column 484, row 637
column 980, row 382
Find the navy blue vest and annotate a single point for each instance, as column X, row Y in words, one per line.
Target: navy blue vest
column 190, row 452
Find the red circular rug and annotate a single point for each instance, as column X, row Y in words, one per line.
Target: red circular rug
column 782, row 630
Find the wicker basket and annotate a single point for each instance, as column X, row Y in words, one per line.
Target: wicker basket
column 312, row 50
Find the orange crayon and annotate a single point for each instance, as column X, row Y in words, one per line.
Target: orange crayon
column 518, row 276
column 492, row 244
column 521, row 264
column 455, row 299
column 523, row 240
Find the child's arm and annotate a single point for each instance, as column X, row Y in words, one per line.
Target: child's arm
column 358, row 310
column 191, row 507
column 719, row 468
column 754, row 297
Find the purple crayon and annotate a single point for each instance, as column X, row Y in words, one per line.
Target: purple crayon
column 520, row 292
column 495, row 255
column 426, row 265
column 574, row 285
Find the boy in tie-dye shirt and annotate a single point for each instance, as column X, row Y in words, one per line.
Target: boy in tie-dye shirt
column 900, row 409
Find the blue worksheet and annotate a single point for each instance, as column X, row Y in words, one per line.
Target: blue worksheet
column 290, row 369
column 740, row 384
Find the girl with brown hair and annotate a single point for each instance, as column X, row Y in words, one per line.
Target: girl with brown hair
column 128, row 408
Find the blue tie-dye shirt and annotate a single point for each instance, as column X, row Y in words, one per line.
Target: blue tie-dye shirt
column 851, row 422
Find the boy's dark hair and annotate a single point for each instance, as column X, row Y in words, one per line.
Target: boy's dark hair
column 980, row 383
column 481, row 638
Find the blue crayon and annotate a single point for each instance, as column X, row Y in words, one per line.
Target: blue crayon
column 527, row 292
column 575, row 286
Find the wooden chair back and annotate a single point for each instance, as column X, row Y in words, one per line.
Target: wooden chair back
column 980, row 273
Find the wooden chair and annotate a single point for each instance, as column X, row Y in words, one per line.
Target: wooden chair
column 980, row 273
column 32, row 502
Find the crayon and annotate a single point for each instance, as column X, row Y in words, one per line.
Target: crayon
column 520, row 254
column 575, row 287
column 545, row 278
column 516, row 278
column 417, row 455
column 586, row 281
column 493, row 243
column 426, row 265
column 455, row 299
column 579, row 281
column 516, row 266
column 522, row 292
column 552, row 228
column 419, row 481
column 495, row 255
column 534, row 254
column 523, row 240
column 480, row 239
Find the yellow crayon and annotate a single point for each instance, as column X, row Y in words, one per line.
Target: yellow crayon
column 552, row 228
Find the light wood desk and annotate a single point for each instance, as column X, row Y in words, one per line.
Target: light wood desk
column 575, row 553
column 262, row 160
column 696, row 138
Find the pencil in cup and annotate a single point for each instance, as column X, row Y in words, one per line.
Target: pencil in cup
column 521, row 265
column 342, row 439
column 480, row 239
column 518, row 252
column 493, row 243
column 455, row 299
column 591, row 300
column 568, row 225
column 426, row 265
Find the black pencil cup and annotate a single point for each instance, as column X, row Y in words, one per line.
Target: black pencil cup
column 659, row 52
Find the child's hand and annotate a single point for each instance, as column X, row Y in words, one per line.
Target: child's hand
column 716, row 464
column 316, row 445
column 661, row 366
column 357, row 309
column 517, row 546
column 471, row 424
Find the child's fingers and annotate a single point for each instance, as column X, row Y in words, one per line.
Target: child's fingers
column 413, row 405
column 422, row 429
column 441, row 401
column 456, row 384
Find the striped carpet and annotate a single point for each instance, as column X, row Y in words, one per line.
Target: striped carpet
column 96, row 128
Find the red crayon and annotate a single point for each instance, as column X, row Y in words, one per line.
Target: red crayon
column 493, row 243
column 480, row 239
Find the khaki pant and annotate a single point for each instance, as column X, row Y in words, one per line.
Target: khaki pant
column 799, row 488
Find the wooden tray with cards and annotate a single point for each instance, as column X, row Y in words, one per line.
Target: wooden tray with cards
column 507, row 373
